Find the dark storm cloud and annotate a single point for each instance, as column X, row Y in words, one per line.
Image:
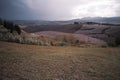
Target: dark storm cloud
column 14, row 9
column 58, row 9
column 69, row 9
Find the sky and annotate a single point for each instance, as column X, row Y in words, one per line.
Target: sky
column 58, row 9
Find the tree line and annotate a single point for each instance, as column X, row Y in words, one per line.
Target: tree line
column 10, row 26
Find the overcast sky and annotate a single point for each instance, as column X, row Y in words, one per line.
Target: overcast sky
column 58, row 9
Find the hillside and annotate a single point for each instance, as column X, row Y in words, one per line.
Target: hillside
column 80, row 37
column 86, row 32
column 69, row 28
column 110, row 20
column 30, row 62
column 109, row 33
column 64, row 37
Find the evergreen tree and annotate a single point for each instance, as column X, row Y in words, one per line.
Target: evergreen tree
column 17, row 28
column 1, row 21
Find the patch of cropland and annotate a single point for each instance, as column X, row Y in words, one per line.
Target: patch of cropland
column 93, row 32
column 31, row 62
column 49, row 38
column 69, row 37
column 69, row 28
column 108, row 33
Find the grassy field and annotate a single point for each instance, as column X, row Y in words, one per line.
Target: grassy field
column 30, row 62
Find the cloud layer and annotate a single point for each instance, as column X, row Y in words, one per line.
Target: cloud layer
column 15, row 9
column 58, row 9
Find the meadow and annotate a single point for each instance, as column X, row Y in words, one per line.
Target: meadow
column 32, row 62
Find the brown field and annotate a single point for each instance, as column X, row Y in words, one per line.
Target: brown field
column 107, row 33
column 30, row 62
column 81, row 37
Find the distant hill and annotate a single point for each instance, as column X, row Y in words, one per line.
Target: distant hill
column 108, row 33
column 70, row 37
column 70, row 28
column 40, row 22
column 103, row 28
column 111, row 20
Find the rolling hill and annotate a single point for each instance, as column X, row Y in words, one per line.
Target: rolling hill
column 109, row 33
column 110, row 20
column 70, row 36
column 94, row 28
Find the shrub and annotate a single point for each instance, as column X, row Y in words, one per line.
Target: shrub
column 61, row 44
column 17, row 28
column 1, row 21
column 117, row 41
column 77, row 27
column 69, row 39
column 51, row 43
column 76, row 23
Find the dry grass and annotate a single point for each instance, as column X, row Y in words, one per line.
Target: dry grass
column 82, row 38
column 30, row 62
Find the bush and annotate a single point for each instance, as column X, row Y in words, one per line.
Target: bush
column 117, row 41
column 69, row 39
column 61, row 44
column 1, row 21
column 51, row 43
column 17, row 28
column 76, row 23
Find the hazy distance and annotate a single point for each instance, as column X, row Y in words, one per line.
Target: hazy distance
column 58, row 9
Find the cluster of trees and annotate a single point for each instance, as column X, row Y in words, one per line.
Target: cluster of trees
column 117, row 41
column 68, row 40
column 10, row 26
column 76, row 22
column 1, row 21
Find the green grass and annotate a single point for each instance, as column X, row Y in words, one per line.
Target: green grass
column 30, row 62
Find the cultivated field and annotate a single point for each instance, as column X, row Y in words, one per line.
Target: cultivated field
column 81, row 37
column 108, row 33
column 30, row 62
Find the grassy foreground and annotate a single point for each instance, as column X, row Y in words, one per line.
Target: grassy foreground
column 30, row 62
